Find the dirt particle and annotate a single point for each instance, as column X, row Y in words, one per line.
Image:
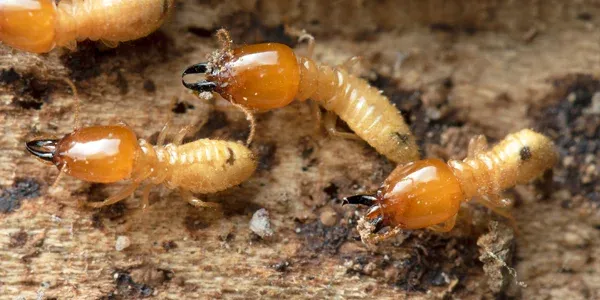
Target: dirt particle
column 169, row 245
column 83, row 63
column 29, row 92
column 127, row 288
column 195, row 221
column 319, row 238
column 123, row 242
column 18, row 239
column 260, row 223
column 149, row 86
column 331, row 190
column 328, row 216
column 281, row 266
column 9, row 76
column 181, row 107
column 122, row 83
column 22, row 188
column 497, row 250
column 151, row 276
column 266, row 156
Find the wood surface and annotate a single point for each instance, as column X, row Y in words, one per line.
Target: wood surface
column 455, row 68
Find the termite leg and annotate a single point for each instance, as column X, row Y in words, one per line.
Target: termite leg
column 350, row 63
column 477, row 144
column 445, row 226
column 178, row 139
column 316, row 112
column 122, row 194
column 146, row 196
column 187, row 196
column 302, row 36
column 311, row 43
column 109, row 44
column 495, row 203
column 330, row 125
column 160, row 141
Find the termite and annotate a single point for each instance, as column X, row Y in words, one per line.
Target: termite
column 266, row 76
column 108, row 154
column 427, row 193
column 40, row 25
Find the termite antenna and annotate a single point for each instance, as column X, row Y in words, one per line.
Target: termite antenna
column 225, row 39
column 43, row 149
column 76, row 120
column 200, row 86
column 250, row 118
column 367, row 200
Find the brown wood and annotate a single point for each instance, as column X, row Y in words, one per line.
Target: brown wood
column 489, row 67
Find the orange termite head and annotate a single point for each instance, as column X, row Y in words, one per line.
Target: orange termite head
column 415, row 195
column 28, row 24
column 260, row 77
column 101, row 154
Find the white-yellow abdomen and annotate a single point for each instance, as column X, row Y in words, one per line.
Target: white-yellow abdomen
column 366, row 111
column 206, row 166
column 112, row 21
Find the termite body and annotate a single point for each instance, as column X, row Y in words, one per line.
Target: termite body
column 108, row 154
column 266, row 76
column 428, row 193
column 40, row 25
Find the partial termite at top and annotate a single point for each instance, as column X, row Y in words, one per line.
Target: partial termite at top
column 266, row 76
column 40, row 25
column 109, row 154
column 427, row 193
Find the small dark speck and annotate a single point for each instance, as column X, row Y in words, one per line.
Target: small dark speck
column 18, row 239
column 181, row 107
column 149, row 86
column 122, row 84
column 584, row 16
column 525, row 153
column 168, row 245
column 201, row 32
column 331, row 190
column 281, row 266
column 443, row 27
column 402, row 137
column 439, row 279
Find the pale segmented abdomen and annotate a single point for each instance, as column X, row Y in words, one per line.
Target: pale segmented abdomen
column 366, row 111
column 518, row 159
column 208, row 166
column 110, row 21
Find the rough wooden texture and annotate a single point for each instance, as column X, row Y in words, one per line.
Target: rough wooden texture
column 457, row 69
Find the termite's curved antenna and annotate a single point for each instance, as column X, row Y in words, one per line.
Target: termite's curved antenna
column 200, row 86
column 43, row 149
